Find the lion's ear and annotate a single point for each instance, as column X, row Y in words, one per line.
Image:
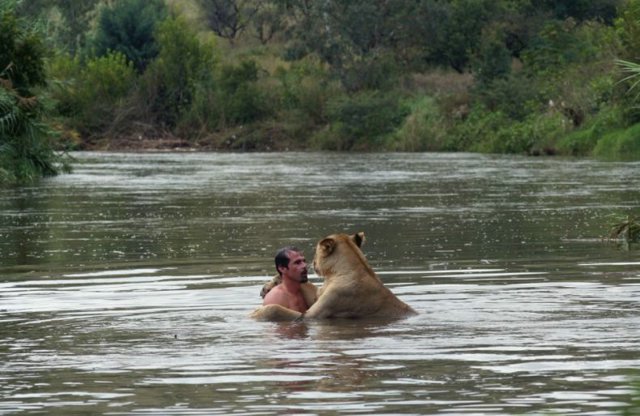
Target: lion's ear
column 327, row 245
column 358, row 238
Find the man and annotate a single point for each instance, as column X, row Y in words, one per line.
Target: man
column 292, row 268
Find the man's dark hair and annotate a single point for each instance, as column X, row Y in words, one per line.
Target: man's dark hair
column 282, row 257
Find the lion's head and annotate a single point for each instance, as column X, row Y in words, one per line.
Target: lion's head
column 339, row 252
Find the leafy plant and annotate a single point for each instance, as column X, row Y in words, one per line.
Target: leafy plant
column 362, row 121
column 184, row 62
column 128, row 27
column 621, row 144
column 90, row 93
column 421, row 130
column 26, row 142
column 632, row 408
column 627, row 230
column 243, row 100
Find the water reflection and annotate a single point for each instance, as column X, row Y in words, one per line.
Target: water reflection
column 125, row 287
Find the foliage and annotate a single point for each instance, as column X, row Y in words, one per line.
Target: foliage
column 229, row 18
column 90, row 93
column 627, row 27
column 582, row 9
column 462, row 31
column 537, row 75
column 421, row 130
column 561, row 43
column 627, row 229
column 25, row 141
column 621, row 144
column 493, row 59
column 68, row 22
column 581, row 142
column 534, row 136
column 361, row 121
column 632, row 73
column 306, row 88
column 268, row 21
column 516, row 96
column 170, row 83
column 495, row 132
column 128, row 27
column 243, row 101
column 633, row 407
column 353, row 37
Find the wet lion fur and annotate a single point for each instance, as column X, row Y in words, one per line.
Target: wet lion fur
column 351, row 288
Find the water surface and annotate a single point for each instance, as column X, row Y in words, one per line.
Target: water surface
column 125, row 286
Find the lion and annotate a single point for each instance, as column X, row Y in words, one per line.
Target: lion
column 351, row 288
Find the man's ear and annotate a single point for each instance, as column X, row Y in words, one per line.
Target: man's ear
column 358, row 238
column 327, row 245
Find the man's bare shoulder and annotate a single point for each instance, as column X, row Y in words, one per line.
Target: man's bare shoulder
column 276, row 296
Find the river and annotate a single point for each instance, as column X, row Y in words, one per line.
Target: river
column 125, row 287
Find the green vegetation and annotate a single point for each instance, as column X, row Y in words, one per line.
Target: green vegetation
column 525, row 76
column 26, row 151
column 128, row 27
column 629, row 229
column 625, row 232
column 633, row 407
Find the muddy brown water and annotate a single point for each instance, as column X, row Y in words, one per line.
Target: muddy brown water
column 125, row 286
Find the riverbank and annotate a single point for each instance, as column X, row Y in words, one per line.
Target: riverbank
column 229, row 141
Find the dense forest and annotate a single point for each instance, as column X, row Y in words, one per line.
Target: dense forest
column 500, row 76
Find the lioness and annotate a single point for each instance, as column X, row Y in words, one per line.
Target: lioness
column 351, row 289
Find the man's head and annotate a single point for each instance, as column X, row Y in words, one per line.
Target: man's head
column 290, row 262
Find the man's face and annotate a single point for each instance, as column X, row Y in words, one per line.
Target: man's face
column 297, row 269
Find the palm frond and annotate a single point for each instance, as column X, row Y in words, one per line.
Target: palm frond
column 633, row 71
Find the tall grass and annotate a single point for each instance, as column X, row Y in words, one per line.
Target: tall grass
column 622, row 144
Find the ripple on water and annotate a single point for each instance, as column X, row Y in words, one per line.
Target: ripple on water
column 134, row 298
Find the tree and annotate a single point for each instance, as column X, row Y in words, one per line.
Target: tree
column 356, row 37
column 228, row 18
column 183, row 64
column 268, row 20
column 458, row 31
column 128, row 27
column 67, row 20
column 26, row 151
column 361, row 37
column 604, row 10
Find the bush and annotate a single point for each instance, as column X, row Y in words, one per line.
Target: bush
column 422, row 129
column 128, row 27
column 240, row 98
column 26, row 142
column 90, row 94
column 583, row 141
column 535, row 135
column 516, row 96
column 168, row 87
column 559, row 44
column 476, row 127
column 622, row 144
column 494, row 132
column 493, row 59
column 305, row 88
column 362, row 121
